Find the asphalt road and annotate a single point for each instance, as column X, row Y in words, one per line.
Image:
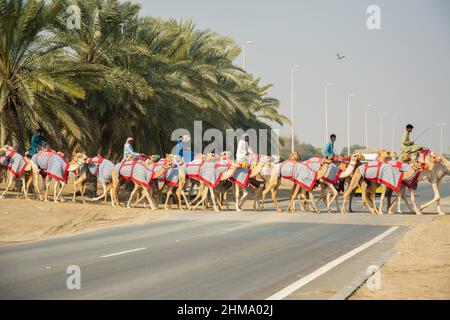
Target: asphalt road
column 205, row 256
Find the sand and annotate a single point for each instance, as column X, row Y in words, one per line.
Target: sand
column 24, row 221
column 421, row 267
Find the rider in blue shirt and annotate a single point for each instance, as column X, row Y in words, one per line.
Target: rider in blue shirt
column 329, row 150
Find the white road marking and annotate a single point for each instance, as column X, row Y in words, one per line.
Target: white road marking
column 122, row 252
column 305, row 280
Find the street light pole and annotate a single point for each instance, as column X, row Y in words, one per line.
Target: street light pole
column 366, row 126
column 292, row 106
column 381, row 129
column 393, row 132
column 326, row 111
column 243, row 52
column 442, row 125
column 348, row 123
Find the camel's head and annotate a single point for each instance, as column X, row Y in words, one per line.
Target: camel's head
column 225, row 155
column 342, row 166
column 294, row 156
column 80, row 158
column 178, row 159
column 383, row 155
column 210, row 157
column 276, row 158
column 435, row 157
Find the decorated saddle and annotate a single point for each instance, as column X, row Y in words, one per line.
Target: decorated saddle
column 14, row 162
column 209, row 175
column 158, row 166
column 193, row 169
column 383, row 173
column 52, row 164
column 172, row 175
column 101, row 168
column 241, row 177
column 333, row 174
column 411, row 183
column 302, row 173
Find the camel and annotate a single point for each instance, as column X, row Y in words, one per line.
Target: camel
column 206, row 189
column 147, row 190
column 273, row 181
column 256, row 168
column 437, row 168
column 102, row 169
column 369, row 187
column 58, row 163
column 347, row 172
column 401, row 193
column 17, row 168
column 298, row 189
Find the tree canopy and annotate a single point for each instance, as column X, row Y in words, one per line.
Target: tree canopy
column 118, row 75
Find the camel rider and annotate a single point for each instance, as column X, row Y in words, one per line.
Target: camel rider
column 329, row 151
column 243, row 149
column 128, row 151
column 37, row 141
column 408, row 147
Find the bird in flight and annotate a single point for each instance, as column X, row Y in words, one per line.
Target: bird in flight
column 340, row 57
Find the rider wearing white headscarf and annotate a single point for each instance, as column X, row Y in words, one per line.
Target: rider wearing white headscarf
column 243, row 149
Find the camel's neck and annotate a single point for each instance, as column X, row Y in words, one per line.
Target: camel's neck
column 322, row 171
column 74, row 167
column 257, row 170
column 160, row 172
column 410, row 173
column 446, row 164
column 349, row 170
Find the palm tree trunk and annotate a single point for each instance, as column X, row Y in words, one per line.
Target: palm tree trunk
column 2, row 134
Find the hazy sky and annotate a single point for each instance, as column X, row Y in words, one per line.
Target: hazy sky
column 403, row 68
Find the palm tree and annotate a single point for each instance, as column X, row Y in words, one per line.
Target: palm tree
column 119, row 75
column 38, row 81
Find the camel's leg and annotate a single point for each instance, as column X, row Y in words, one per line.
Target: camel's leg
column 60, row 193
column 181, row 193
column 104, row 194
column 75, row 186
column 333, row 197
column 294, row 193
column 275, row 200
column 372, row 207
column 203, row 195
column 135, row 189
column 413, row 200
column 149, row 198
column 438, row 202
column 169, row 192
column 236, row 197
column 55, row 191
column 24, row 187
column 349, row 193
column 213, row 197
column 47, row 186
column 263, row 197
column 82, row 190
column 313, row 203
column 436, row 198
column 198, row 196
column 10, row 182
column 244, row 197
column 29, row 183
column 402, row 195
